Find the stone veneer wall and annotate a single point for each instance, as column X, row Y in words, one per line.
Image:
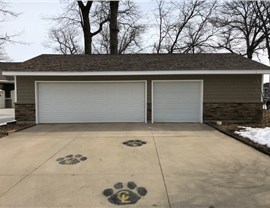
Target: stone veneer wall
column 233, row 112
column 149, row 113
column 25, row 113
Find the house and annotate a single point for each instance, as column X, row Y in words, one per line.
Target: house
column 266, row 95
column 6, row 92
column 138, row 88
column 6, row 88
column 265, row 91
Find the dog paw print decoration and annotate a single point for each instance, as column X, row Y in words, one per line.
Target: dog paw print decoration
column 124, row 195
column 71, row 159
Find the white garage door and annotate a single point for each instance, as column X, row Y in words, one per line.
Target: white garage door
column 82, row 102
column 177, row 101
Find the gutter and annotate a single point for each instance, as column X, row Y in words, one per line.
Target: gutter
column 134, row 73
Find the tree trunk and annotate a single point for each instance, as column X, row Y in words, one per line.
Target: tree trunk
column 85, row 10
column 87, row 40
column 249, row 54
column 113, row 27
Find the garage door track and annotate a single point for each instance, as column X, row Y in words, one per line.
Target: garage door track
column 135, row 165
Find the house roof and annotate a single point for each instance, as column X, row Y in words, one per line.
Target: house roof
column 5, row 79
column 135, row 63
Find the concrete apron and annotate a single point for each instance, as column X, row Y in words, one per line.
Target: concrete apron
column 181, row 165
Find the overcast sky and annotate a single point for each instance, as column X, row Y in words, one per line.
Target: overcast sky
column 32, row 28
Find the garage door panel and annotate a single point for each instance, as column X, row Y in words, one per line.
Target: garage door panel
column 91, row 102
column 177, row 101
column 173, row 116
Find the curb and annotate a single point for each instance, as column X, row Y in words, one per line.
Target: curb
column 240, row 139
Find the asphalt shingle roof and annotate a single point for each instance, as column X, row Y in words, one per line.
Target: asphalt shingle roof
column 5, row 66
column 136, row 62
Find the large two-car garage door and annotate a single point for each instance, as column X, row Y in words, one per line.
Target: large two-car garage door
column 177, row 101
column 79, row 102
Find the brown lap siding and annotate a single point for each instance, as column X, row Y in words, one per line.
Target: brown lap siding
column 226, row 97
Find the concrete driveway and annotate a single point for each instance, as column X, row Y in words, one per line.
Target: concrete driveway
column 181, row 165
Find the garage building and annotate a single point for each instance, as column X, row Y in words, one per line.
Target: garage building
column 138, row 88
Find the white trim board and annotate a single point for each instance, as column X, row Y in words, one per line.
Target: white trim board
column 15, row 88
column 134, row 73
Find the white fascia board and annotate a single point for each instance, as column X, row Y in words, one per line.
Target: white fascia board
column 131, row 73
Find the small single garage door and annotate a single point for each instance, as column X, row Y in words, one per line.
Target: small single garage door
column 82, row 102
column 177, row 101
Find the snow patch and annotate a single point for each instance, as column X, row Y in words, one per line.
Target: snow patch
column 258, row 135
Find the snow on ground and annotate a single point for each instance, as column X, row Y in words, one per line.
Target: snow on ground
column 258, row 135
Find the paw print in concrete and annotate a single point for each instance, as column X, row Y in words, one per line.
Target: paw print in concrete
column 71, row 159
column 134, row 143
column 120, row 195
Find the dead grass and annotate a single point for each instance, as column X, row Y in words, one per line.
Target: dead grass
column 12, row 127
column 229, row 129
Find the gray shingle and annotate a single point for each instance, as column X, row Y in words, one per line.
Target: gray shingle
column 136, row 62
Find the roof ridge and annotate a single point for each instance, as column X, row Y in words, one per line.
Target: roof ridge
column 135, row 54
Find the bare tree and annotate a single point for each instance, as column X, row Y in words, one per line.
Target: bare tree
column 240, row 28
column 163, row 22
column 130, row 39
column 262, row 9
column 5, row 15
column 187, row 12
column 86, row 25
column 130, row 30
column 78, row 15
column 85, row 22
column 199, row 33
column 65, row 41
column 3, row 55
column 184, row 26
column 114, row 6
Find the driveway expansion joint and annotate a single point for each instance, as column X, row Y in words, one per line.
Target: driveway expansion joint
column 163, row 177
